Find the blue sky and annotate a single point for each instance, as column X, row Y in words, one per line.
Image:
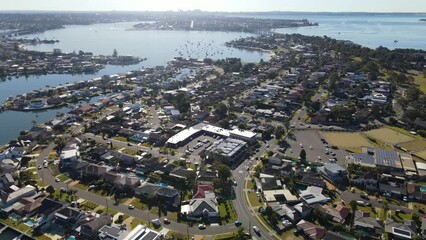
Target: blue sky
column 220, row 5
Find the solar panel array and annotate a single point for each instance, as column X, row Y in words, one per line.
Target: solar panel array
column 386, row 157
column 364, row 158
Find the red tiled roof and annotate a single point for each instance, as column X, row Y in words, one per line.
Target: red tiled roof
column 202, row 189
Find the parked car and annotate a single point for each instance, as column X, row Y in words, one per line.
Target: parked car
column 57, row 180
column 166, row 221
column 365, row 196
column 156, row 222
column 256, row 230
column 201, row 226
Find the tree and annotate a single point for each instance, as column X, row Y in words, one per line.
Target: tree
column 412, row 93
column 221, row 110
column 279, row 132
column 333, row 80
column 302, row 155
column 50, row 189
column 223, row 172
column 115, row 53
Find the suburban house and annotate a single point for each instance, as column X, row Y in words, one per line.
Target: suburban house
column 313, row 195
column 310, row 230
column 168, row 195
column 46, row 213
column 333, row 172
column 416, row 192
column 69, row 218
column 203, row 205
column 13, row 194
column 91, row 228
column 397, row 230
column 6, row 181
column 141, row 232
column 337, row 214
column 369, row 226
column 69, row 154
column 112, row 233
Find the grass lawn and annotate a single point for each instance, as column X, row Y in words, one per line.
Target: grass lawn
column 63, row 177
column 136, row 222
column 122, row 139
column 400, row 217
column 110, row 211
column 224, row 236
column 389, row 136
column 138, row 204
column 290, row 234
column 54, row 169
column 253, row 200
column 346, row 140
column 8, row 221
column 64, row 197
column 250, row 185
column 227, row 211
column 129, row 151
column 415, row 145
column 177, row 235
column 421, row 81
column 88, row 206
column 99, row 192
column 43, row 237
column 370, row 210
column 418, row 206
column 81, row 186
column 172, row 216
column 23, row 228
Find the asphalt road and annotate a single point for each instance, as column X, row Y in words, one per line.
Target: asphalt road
column 49, row 179
column 246, row 215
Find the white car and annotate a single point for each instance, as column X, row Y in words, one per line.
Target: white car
column 57, row 180
column 131, row 207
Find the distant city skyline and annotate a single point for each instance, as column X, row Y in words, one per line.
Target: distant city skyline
column 416, row 6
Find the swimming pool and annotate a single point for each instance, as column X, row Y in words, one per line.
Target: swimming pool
column 29, row 223
column 163, row 184
column 71, row 238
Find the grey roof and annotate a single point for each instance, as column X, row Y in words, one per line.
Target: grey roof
column 407, row 228
column 334, row 167
column 386, row 157
column 227, row 147
column 363, row 219
column 110, row 231
column 364, row 158
column 337, row 236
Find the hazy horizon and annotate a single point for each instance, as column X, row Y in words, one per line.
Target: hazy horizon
column 315, row 6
